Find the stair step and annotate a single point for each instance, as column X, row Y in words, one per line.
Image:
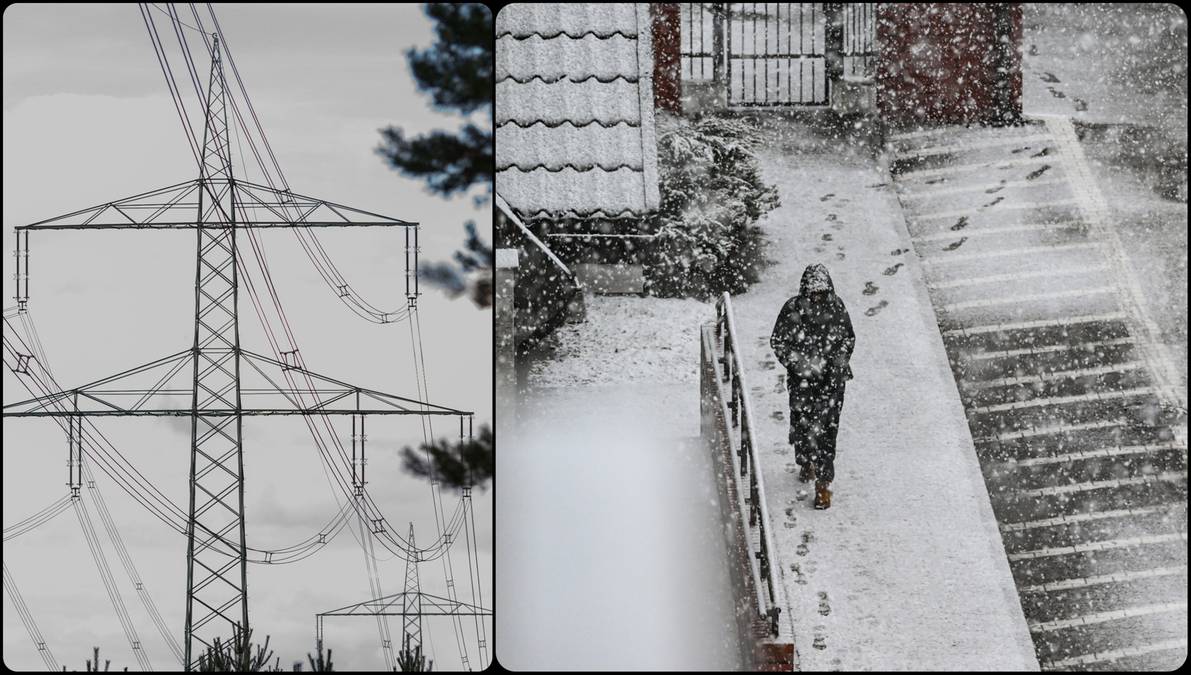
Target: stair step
column 1129, row 589
column 1024, row 506
column 1108, row 632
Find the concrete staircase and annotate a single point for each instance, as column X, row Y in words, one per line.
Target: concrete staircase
column 1076, row 434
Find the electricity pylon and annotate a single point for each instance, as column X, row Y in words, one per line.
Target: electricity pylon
column 412, row 600
column 411, row 604
column 216, row 206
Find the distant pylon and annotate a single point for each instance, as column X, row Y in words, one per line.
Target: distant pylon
column 411, row 607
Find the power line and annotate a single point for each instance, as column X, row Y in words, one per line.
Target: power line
column 171, row 15
column 43, row 649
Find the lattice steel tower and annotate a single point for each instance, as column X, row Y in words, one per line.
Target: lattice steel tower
column 217, row 206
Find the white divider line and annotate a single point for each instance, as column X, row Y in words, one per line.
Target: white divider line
column 931, row 194
column 1098, row 546
column 1083, row 346
column 971, row 211
column 998, row 278
column 992, row 165
column 947, row 257
column 929, row 150
column 1166, row 477
column 1101, row 617
column 998, row 230
column 1056, row 295
column 1038, row 323
column 1061, row 400
column 1082, row 518
column 1119, row 451
column 1054, row 375
column 1115, row 654
column 1062, row 429
column 1119, row 577
column 923, row 133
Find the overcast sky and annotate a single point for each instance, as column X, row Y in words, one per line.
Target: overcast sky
column 87, row 119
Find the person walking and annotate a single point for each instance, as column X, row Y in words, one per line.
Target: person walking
column 813, row 339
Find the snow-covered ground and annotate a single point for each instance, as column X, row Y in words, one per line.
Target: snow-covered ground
column 1120, row 72
column 612, row 553
column 906, row 571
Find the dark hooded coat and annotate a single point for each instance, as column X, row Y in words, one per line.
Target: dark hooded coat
column 813, row 335
column 813, row 339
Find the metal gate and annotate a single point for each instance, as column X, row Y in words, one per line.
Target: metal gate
column 775, row 54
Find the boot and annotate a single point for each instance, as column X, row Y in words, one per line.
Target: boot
column 807, row 473
column 822, row 495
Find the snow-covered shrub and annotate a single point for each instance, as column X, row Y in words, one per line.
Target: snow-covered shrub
column 711, row 198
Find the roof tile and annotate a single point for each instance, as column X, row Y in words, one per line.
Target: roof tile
column 575, row 102
column 569, row 190
column 577, row 147
column 565, row 58
column 523, row 19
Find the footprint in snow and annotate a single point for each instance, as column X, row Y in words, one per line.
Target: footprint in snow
column 899, row 251
column 827, row 237
column 873, row 311
column 955, row 244
column 1038, row 172
column 877, row 185
column 1041, row 153
column 799, row 577
column 827, row 196
column 994, row 190
column 935, row 181
column 832, row 217
column 778, row 415
column 960, row 224
column 840, row 256
column 1021, row 149
column 824, row 604
column 1080, row 104
column 820, row 641
column 1049, row 77
column 1056, row 93
column 870, row 288
column 768, row 365
column 994, row 202
column 890, row 271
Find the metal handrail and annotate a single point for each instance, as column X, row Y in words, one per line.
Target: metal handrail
column 741, row 407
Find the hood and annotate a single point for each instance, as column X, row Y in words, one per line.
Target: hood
column 815, row 279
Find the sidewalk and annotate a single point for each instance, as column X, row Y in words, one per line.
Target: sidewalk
column 907, row 569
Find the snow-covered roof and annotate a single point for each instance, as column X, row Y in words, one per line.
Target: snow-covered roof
column 574, row 110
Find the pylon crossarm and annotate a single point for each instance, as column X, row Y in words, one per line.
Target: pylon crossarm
column 267, row 198
column 159, row 208
column 432, row 605
column 380, row 401
column 173, row 207
column 99, row 391
column 163, row 383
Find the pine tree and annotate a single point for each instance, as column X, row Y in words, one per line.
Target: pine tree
column 456, row 464
column 456, row 71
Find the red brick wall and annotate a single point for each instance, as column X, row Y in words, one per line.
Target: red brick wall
column 940, row 62
column 667, row 41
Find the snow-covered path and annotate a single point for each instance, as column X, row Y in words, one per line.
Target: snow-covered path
column 906, row 571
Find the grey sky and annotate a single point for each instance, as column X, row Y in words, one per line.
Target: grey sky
column 87, row 119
